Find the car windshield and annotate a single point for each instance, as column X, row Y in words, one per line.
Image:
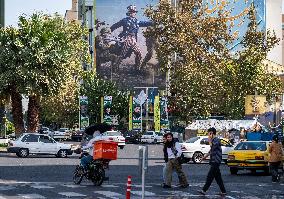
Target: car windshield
column 192, row 140
column 62, row 130
column 261, row 146
column 149, row 133
column 160, row 134
column 113, row 133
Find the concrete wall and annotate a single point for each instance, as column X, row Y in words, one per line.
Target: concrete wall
column 274, row 22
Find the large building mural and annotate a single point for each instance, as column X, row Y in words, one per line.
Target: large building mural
column 123, row 53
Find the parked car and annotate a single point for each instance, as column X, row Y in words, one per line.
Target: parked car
column 77, row 135
column 61, row 134
column 152, row 137
column 116, row 137
column 133, row 136
column 196, row 147
column 44, row 130
column 249, row 155
column 35, row 143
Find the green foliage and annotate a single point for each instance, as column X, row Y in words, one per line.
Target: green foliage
column 95, row 88
column 205, row 76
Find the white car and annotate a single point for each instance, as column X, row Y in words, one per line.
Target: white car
column 152, row 137
column 61, row 134
column 34, row 143
column 196, row 147
column 116, row 137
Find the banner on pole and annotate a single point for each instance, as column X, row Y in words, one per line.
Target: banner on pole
column 157, row 116
column 106, row 103
column 130, row 123
column 136, row 116
column 84, row 118
column 164, row 113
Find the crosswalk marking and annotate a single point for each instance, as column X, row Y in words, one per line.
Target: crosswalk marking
column 71, row 194
column 41, row 187
column 109, row 194
column 73, row 186
column 31, row 196
column 139, row 193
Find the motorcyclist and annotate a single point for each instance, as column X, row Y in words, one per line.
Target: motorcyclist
column 87, row 159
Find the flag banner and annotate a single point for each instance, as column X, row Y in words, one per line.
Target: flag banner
column 164, row 116
column 84, row 118
column 157, row 116
column 136, row 116
column 130, row 122
column 106, row 111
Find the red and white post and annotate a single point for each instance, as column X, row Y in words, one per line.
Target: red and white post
column 128, row 189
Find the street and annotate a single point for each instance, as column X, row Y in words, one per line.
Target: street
column 51, row 177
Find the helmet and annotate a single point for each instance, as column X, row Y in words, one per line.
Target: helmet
column 131, row 9
column 105, row 30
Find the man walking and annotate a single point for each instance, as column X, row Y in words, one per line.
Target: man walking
column 215, row 161
column 275, row 150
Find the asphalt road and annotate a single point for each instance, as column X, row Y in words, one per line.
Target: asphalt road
column 51, row 177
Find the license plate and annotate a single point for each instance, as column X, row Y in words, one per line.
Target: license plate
column 243, row 165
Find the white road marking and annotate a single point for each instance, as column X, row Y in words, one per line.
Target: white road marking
column 41, row 187
column 71, row 194
column 31, row 196
column 139, row 193
column 109, row 194
column 109, row 186
column 73, row 186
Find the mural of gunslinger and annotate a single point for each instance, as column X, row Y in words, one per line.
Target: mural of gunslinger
column 130, row 25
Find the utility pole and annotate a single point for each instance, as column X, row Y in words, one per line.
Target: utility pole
column 2, row 13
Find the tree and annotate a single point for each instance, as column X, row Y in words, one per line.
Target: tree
column 63, row 108
column 48, row 51
column 200, row 42
column 206, row 78
column 246, row 73
column 95, row 88
column 11, row 83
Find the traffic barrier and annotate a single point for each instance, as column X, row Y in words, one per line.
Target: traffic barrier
column 128, row 189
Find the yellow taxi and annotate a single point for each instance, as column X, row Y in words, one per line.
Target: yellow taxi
column 249, row 155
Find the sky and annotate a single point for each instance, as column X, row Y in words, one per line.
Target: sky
column 15, row 8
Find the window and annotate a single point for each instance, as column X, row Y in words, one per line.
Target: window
column 261, row 146
column 225, row 143
column 149, row 133
column 30, row 138
column 192, row 140
column 46, row 139
column 113, row 133
column 204, row 141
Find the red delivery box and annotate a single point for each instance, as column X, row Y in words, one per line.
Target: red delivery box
column 105, row 150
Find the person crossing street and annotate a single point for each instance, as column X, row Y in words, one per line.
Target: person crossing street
column 215, row 154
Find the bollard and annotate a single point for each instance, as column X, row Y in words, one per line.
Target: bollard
column 128, row 189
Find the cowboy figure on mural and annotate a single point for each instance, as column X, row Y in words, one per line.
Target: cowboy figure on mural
column 130, row 25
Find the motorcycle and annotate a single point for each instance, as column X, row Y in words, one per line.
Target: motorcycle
column 95, row 171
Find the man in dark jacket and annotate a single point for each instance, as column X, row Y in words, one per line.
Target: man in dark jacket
column 215, row 161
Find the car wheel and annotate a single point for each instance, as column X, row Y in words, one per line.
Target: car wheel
column 197, row 157
column 23, row 153
column 121, row 147
column 155, row 141
column 233, row 171
column 267, row 171
column 62, row 153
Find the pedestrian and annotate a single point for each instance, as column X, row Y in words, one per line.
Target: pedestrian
column 172, row 154
column 215, row 154
column 276, row 153
column 164, row 168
